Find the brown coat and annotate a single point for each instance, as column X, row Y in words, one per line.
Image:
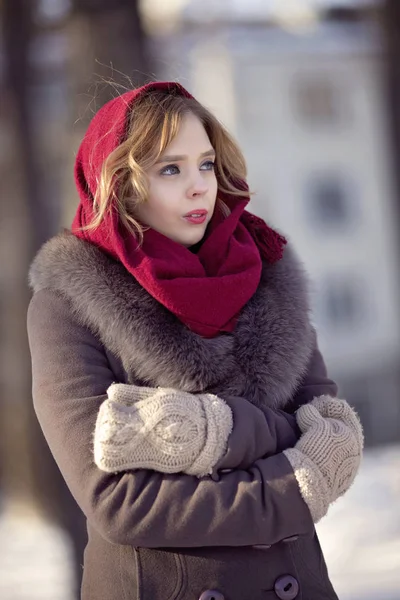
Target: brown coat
column 247, row 533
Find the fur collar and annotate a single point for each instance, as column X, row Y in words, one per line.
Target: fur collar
column 263, row 360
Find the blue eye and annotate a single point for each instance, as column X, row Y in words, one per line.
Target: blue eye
column 170, row 170
column 208, row 166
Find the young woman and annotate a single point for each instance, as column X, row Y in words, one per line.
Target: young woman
column 176, row 374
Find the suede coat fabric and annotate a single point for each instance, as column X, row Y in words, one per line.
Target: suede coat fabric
column 246, row 533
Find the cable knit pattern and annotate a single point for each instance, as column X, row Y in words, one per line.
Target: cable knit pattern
column 326, row 458
column 161, row 429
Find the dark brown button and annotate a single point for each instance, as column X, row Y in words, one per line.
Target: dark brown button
column 212, row 595
column 286, row 587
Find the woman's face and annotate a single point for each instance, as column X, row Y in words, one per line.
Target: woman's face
column 182, row 186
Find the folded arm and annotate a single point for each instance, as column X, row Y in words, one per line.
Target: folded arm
column 71, row 374
column 199, row 434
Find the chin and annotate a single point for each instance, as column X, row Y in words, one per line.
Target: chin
column 191, row 240
column 195, row 240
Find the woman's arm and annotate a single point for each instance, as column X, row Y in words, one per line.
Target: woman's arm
column 70, row 376
column 172, row 431
column 265, row 431
column 258, row 432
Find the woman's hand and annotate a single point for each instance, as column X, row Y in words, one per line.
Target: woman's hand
column 326, row 458
column 161, row 429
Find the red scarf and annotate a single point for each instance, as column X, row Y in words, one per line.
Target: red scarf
column 206, row 290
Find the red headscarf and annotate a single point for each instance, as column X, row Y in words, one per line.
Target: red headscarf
column 205, row 290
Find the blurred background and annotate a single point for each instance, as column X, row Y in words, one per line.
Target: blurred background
column 311, row 89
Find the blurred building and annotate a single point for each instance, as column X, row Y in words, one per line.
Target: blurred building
column 305, row 99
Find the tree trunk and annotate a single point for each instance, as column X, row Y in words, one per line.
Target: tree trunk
column 20, row 192
column 391, row 29
column 110, row 44
column 30, row 214
column 117, row 57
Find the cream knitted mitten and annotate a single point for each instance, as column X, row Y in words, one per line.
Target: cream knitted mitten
column 326, row 458
column 161, row 429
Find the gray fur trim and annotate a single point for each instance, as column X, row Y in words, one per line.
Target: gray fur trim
column 263, row 360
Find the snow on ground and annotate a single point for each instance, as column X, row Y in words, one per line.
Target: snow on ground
column 361, row 534
column 35, row 559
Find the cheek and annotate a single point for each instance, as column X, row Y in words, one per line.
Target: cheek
column 162, row 198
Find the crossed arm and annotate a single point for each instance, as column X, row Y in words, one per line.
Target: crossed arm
column 262, row 504
column 224, row 432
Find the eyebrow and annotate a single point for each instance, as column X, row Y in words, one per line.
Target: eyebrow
column 180, row 157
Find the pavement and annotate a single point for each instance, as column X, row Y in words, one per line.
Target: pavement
column 360, row 538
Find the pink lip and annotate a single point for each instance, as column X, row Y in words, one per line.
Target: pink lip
column 200, row 217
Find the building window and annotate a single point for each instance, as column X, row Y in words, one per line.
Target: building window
column 331, row 202
column 341, row 303
column 319, row 101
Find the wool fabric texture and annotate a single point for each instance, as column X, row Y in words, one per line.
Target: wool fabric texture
column 222, row 275
column 327, row 456
column 161, row 429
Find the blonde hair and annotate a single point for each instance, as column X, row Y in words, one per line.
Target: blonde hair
column 154, row 122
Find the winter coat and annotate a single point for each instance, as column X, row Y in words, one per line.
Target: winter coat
column 246, row 534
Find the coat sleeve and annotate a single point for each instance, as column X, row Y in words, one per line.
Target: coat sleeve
column 258, row 432
column 263, row 431
column 71, row 373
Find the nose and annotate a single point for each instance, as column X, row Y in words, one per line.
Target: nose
column 198, row 186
